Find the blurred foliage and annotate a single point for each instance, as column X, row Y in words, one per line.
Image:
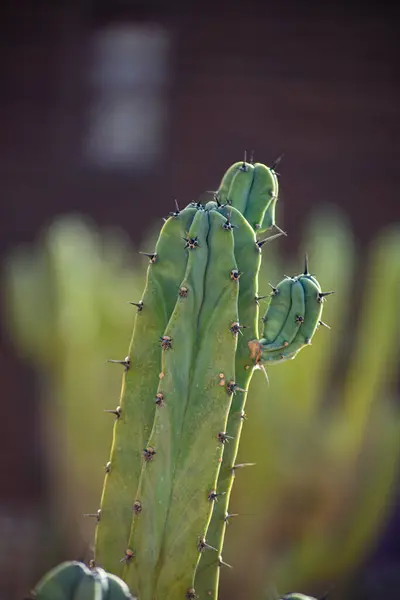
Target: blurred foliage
column 324, row 434
column 68, row 311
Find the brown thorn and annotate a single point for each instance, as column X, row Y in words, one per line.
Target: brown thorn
column 116, row 411
column 138, row 304
column 97, row 515
column 126, row 362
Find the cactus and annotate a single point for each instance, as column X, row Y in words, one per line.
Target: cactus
column 192, row 355
column 72, row 580
column 194, row 348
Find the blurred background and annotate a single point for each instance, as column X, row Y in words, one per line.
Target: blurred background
column 109, row 111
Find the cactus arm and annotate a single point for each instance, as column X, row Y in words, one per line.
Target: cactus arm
column 313, row 299
column 295, row 317
column 206, row 415
column 140, row 382
column 248, row 257
column 236, row 184
column 253, row 190
column 156, row 480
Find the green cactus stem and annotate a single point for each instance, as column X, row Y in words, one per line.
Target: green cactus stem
column 188, row 435
column 140, row 381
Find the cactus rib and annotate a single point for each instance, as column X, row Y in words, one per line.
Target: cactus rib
column 248, row 257
column 140, row 382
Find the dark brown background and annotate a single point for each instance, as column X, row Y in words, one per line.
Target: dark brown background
column 315, row 82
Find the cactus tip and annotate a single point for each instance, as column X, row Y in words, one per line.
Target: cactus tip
column 138, row 304
column 126, row 362
column 115, row 411
column 152, row 256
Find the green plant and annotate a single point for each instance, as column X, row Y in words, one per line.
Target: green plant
column 197, row 319
column 72, row 580
column 194, row 348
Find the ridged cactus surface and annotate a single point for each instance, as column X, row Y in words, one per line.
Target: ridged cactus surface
column 195, row 346
column 72, row 580
column 194, row 349
column 137, row 403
